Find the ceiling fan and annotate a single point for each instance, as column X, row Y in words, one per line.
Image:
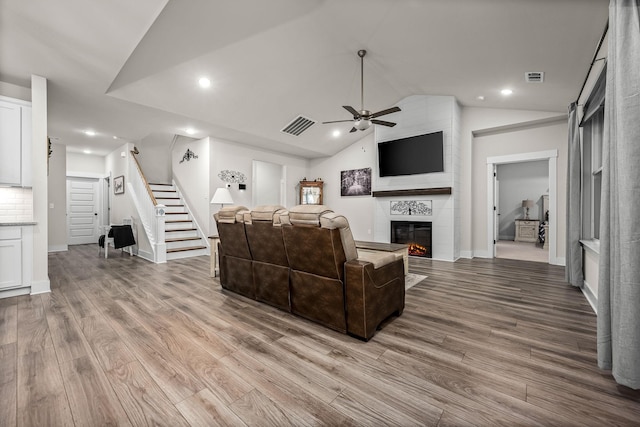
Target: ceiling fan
column 363, row 119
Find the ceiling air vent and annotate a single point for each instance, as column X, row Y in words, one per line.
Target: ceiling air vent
column 534, row 76
column 298, row 125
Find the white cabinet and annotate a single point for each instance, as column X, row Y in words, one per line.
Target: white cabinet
column 10, row 258
column 15, row 142
column 16, row 260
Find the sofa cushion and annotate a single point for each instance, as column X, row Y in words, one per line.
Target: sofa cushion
column 231, row 214
column 307, row 214
column 265, row 212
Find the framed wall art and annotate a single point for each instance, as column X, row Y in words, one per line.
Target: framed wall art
column 355, row 182
column 118, row 185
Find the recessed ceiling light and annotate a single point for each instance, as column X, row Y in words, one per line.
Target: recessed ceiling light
column 204, row 82
column 90, row 133
column 86, row 151
column 190, row 131
column 506, row 92
column 480, row 98
column 115, row 137
column 336, row 133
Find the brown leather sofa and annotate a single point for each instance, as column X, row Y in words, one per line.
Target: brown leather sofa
column 305, row 261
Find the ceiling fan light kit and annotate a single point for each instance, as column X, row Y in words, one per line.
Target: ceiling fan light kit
column 363, row 119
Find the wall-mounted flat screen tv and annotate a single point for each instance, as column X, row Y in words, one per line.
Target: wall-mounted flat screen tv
column 411, row 156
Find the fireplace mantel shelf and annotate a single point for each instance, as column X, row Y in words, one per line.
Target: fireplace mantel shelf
column 412, row 192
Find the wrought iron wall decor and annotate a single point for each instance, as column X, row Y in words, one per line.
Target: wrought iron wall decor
column 188, row 155
column 234, row 177
column 412, row 207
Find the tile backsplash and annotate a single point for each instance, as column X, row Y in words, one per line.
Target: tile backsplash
column 16, row 204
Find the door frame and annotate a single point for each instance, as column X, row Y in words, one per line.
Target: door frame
column 552, row 157
column 104, row 200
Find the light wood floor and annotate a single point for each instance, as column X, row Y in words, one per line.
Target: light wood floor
column 121, row 341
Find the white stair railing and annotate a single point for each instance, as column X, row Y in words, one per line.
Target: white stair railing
column 152, row 214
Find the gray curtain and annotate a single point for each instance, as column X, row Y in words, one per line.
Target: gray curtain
column 573, row 269
column 619, row 284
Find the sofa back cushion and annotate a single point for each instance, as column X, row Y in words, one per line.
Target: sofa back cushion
column 265, row 235
column 311, row 248
column 233, row 239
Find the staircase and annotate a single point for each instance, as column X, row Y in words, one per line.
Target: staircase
column 181, row 235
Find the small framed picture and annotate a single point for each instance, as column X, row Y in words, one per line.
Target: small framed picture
column 118, row 185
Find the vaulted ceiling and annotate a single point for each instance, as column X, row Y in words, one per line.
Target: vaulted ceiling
column 130, row 68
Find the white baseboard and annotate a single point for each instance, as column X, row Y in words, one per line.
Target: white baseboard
column 590, row 296
column 14, row 292
column 145, row 255
column 561, row 261
column 466, row 254
column 40, row 287
column 58, row 248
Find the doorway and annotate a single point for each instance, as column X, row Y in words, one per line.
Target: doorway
column 84, row 209
column 520, row 231
column 493, row 195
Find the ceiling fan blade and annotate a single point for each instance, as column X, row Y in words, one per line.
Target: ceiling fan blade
column 353, row 130
column 336, row 121
column 385, row 112
column 383, row 123
column 351, row 110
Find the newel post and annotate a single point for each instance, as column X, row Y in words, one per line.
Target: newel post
column 161, row 246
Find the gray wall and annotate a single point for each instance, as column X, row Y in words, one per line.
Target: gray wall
column 520, row 181
column 57, row 198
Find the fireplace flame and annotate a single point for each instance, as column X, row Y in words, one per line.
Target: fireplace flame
column 417, row 250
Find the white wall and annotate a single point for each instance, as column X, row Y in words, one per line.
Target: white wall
column 357, row 209
column 80, row 163
column 155, row 157
column 518, row 182
column 39, row 154
column 370, row 217
column 192, row 177
column 267, row 182
column 122, row 205
column 57, row 198
column 14, row 91
column 226, row 155
column 479, row 120
column 550, row 136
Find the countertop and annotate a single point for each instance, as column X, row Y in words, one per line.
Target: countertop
column 17, row 223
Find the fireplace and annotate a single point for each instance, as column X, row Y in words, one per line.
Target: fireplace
column 417, row 234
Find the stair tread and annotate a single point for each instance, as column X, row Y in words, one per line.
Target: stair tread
column 167, row 198
column 180, row 229
column 193, row 248
column 177, row 220
column 160, row 183
column 181, row 239
column 176, row 213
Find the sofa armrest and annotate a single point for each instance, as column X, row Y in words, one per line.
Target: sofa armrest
column 372, row 295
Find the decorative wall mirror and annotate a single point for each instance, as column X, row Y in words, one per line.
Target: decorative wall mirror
column 311, row 192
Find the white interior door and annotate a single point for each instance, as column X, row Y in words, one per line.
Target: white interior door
column 82, row 211
column 496, row 208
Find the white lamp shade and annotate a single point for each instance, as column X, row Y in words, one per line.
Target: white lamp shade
column 222, row 196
